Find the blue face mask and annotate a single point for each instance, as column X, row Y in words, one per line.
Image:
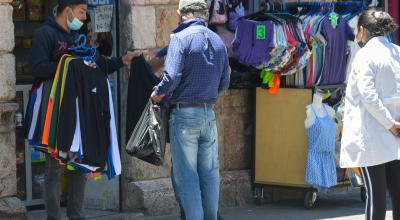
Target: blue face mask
column 75, row 24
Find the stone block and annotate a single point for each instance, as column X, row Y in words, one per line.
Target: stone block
column 227, row 195
column 7, row 41
column 166, row 21
column 7, row 75
column 125, row 26
column 153, row 197
column 235, row 124
column 153, row 2
column 135, row 169
column 244, row 193
column 156, row 197
column 235, row 188
column 8, row 170
column 12, row 208
column 162, row 2
column 7, row 117
column 143, row 27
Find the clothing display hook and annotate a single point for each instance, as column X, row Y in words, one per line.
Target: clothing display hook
column 84, row 49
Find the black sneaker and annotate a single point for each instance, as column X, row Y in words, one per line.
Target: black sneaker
column 219, row 217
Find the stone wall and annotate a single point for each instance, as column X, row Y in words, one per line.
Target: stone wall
column 149, row 188
column 147, row 25
column 10, row 207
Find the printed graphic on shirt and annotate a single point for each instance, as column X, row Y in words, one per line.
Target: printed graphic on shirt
column 355, row 73
column 61, row 46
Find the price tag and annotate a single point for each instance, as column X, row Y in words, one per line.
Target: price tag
column 334, row 19
column 261, row 32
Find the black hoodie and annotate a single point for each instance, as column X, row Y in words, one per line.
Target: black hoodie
column 48, row 45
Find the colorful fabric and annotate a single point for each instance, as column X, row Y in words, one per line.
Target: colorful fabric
column 75, row 154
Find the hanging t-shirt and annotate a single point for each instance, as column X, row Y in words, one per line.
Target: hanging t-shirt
column 352, row 44
column 89, row 85
column 36, row 126
column 254, row 41
column 337, row 52
column 141, row 84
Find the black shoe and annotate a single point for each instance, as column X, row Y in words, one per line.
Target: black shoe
column 182, row 217
column 219, row 217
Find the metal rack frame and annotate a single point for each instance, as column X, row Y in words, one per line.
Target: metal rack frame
column 270, row 4
column 310, row 193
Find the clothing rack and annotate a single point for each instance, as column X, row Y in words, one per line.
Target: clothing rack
column 282, row 6
column 330, row 86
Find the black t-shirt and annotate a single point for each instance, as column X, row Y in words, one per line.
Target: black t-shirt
column 89, row 88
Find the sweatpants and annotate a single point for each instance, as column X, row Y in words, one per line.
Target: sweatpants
column 377, row 179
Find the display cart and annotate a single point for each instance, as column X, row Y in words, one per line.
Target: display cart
column 281, row 143
column 281, row 149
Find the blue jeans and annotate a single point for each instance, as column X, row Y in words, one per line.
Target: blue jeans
column 194, row 147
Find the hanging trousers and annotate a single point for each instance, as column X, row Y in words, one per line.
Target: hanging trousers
column 377, row 180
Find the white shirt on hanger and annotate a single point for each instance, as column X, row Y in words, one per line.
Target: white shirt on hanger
column 116, row 159
column 374, row 3
column 36, row 108
column 352, row 45
column 372, row 105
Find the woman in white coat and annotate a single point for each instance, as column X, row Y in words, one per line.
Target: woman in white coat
column 372, row 113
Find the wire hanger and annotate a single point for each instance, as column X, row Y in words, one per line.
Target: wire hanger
column 87, row 53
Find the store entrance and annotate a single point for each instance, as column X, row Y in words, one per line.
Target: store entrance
column 28, row 16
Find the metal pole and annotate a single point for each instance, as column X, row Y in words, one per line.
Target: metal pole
column 386, row 5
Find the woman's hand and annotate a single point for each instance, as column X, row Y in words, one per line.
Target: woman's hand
column 395, row 129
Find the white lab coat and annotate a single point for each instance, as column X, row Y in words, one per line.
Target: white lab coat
column 372, row 106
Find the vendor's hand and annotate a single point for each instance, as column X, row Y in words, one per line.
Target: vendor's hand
column 129, row 56
column 396, row 129
column 157, row 98
column 91, row 64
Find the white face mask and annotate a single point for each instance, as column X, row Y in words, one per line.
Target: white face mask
column 75, row 24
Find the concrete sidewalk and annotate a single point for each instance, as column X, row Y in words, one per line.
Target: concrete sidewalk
column 338, row 206
column 90, row 215
column 341, row 206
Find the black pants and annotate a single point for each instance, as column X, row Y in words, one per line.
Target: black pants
column 377, row 179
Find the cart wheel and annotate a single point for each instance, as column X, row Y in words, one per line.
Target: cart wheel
column 258, row 201
column 363, row 194
column 258, row 195
column 310, row 199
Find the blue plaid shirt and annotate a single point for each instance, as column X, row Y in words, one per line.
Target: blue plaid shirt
column 196, row 67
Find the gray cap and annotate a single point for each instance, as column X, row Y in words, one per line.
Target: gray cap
column 192, row 5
